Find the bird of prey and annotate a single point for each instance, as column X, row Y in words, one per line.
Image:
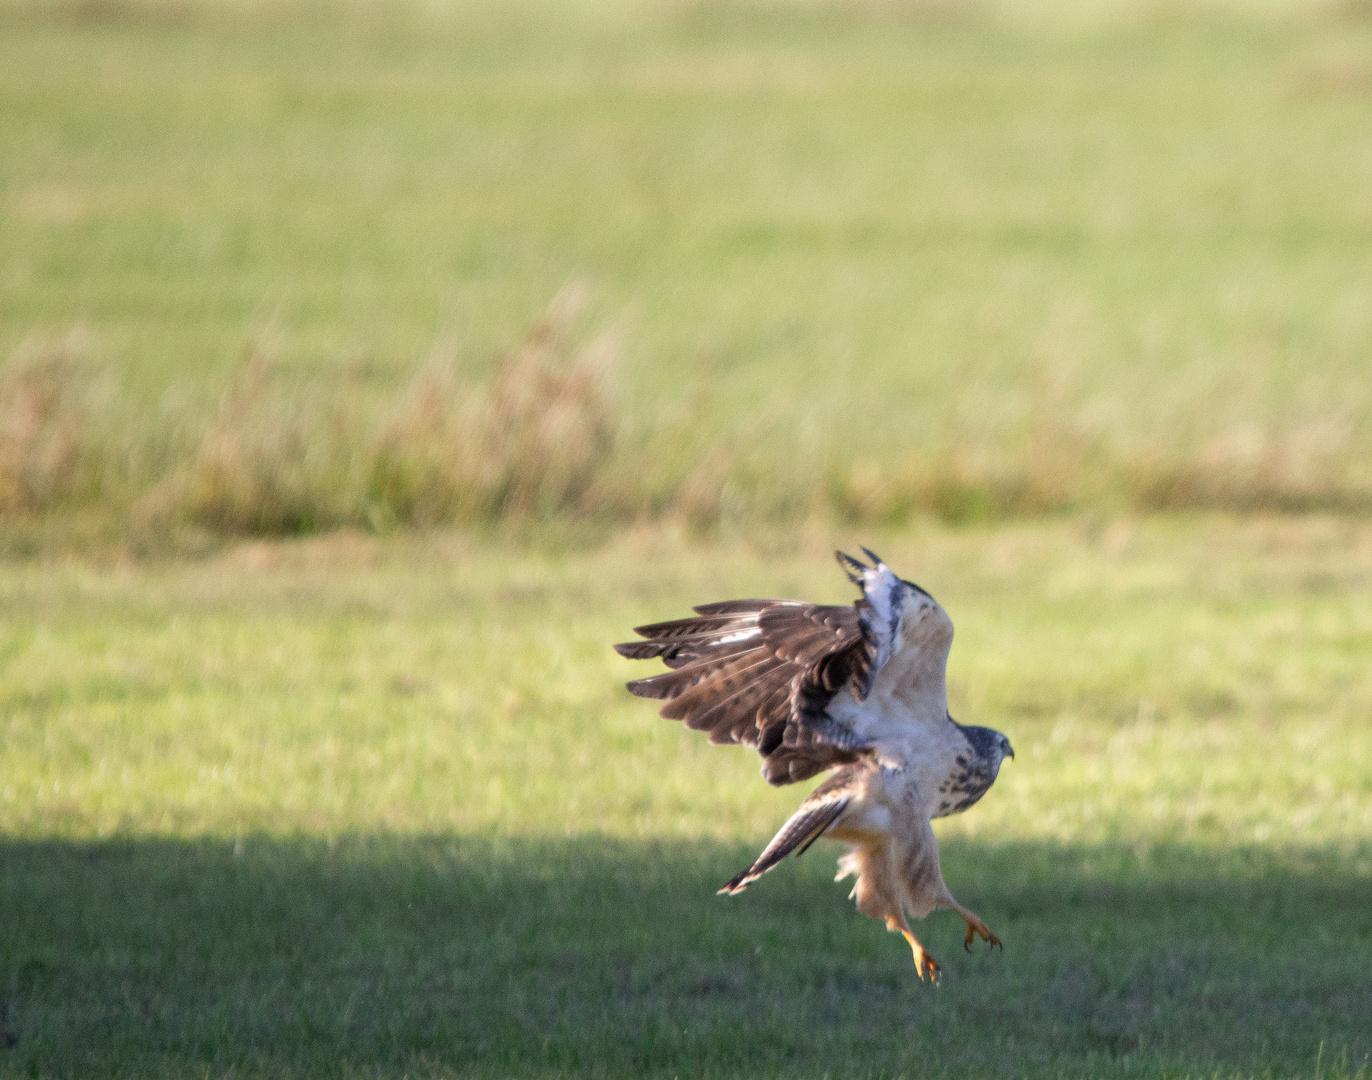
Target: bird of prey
column 857, row 689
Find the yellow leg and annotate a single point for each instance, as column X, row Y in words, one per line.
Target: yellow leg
column 924, row 963
column 976, row 928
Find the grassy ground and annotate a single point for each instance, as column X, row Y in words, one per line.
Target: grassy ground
column 1056, row 256
column 358, row 807
column 382, row 808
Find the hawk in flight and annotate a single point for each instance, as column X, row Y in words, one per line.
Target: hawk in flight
column 857, row 689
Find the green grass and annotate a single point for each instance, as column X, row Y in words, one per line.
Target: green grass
column 1057, row 257
column 360, row 807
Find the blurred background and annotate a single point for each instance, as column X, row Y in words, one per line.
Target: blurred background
column 279, row 267
column 368, row 366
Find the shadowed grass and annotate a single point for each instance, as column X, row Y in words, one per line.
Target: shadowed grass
column 471, row 957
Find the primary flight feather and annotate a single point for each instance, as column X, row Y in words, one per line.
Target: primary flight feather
column 857, row 689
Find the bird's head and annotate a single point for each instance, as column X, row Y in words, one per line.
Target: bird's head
column 990, row 744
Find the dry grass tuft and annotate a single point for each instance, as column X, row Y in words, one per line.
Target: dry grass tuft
column 269, row 462
column 544, row 438
column 44, row 429
column 532, row 442
column 1321, row 464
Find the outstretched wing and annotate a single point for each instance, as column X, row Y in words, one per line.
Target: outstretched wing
column 760, row 672
column 765, row 673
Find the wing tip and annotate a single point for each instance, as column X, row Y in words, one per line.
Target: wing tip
column 738, row 883
column 852, row 568
column 877, row 560
column 856, row 569
column 790, row 840
column 644, row 688
column 747, row 606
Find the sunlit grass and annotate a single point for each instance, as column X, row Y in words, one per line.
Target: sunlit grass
column 381, row 807
column 1189, row 684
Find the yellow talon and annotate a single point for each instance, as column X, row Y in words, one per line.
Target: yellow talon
column 977, row 929
column 924, row 963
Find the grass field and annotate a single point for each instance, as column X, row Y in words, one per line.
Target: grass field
column 375, row 803
column 379, row 807
column 954, row 257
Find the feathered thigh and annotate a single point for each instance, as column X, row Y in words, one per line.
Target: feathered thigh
column 894, row 873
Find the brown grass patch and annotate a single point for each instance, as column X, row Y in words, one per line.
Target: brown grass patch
column 545, row 438
column 531, row 443
column 445, row 449
column 44, row 424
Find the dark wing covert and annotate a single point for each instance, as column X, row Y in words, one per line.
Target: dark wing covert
column 761, row 673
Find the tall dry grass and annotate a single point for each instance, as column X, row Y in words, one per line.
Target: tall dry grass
column 531, row 441
column 534, row 441
column 545, row 437
column 46, row 453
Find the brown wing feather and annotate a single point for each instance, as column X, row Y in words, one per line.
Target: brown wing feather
column 824, row 806
column 740, row 607
column 761, row 673
column 720, row 682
